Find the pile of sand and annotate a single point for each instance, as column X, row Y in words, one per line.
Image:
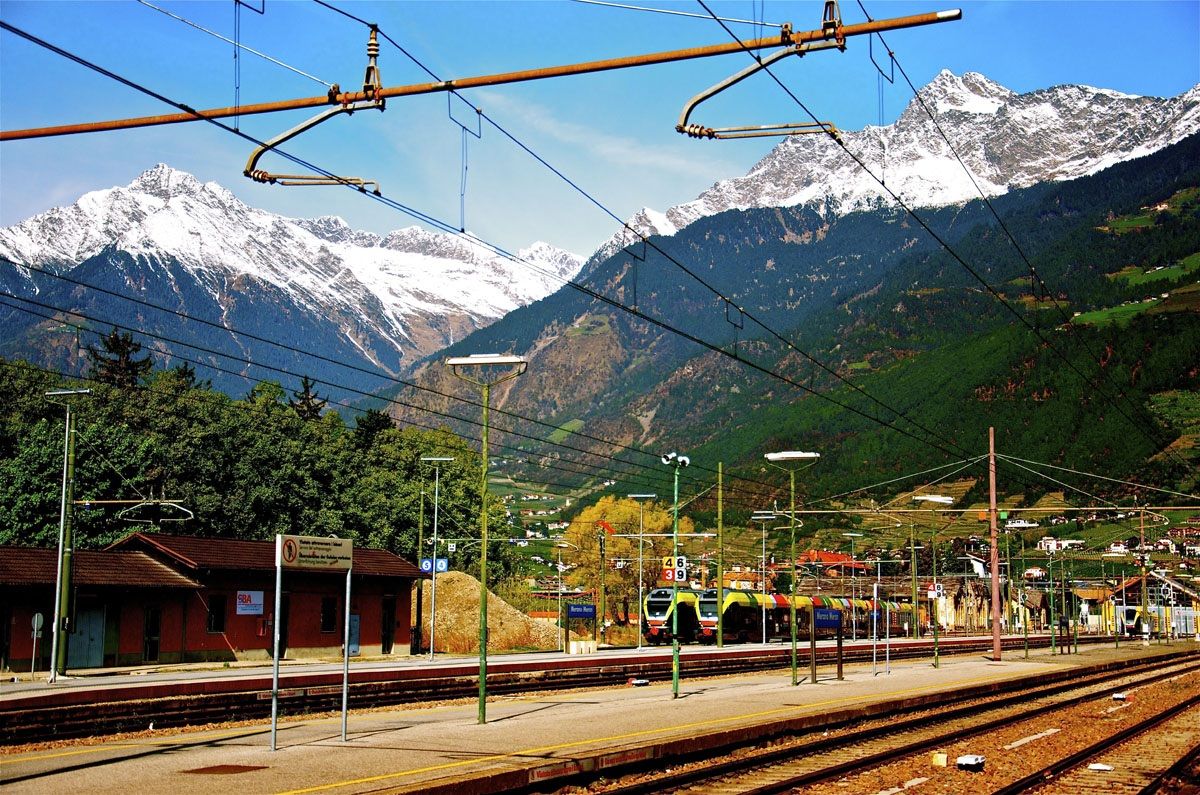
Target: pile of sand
column 458, row 619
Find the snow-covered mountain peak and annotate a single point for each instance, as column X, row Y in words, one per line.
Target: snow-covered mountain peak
column 1006, row 140
column 165, row 182
column 402, row 296
column 971, row 93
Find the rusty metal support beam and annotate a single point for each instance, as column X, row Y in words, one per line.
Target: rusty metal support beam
column 785, row 38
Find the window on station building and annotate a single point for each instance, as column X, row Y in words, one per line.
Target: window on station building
column 328, row 614
column 216, row 612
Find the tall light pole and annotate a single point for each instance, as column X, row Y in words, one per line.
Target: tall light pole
column 676, row 462
column 560, row 545
column 641, row 575
column 513, row 367
column 775, row 459
column 764, row 517
column 436, row 461
column 937, row 499
column 62, row 591
column 912, row 543
column 853, row 585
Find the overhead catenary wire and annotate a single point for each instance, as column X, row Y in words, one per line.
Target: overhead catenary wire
column 270, row 368
column 242, row 405
column 672, row 12
column 1033, row 272
column 940, row 241
column 446, row 227
column 1131, row 484
column 237, row 44
column 727, row 301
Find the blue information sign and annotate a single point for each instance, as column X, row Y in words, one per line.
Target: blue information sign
column 827, row 618
column 427, row 564
column 579, row 610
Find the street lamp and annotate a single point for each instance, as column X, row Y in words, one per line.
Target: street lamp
column 562, row 629
column 641, row 575
column 937, row 499
column 774, row 459
column 63, row 589
column 853, row 585
column 764, row 517
column 677, row 462
column 514, row 366
column 436, row 461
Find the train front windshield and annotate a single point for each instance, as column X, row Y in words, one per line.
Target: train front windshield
column 708, row 607
column 657, row 606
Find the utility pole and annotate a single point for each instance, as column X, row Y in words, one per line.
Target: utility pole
column 420, row 586
column 62, row 594
column 1143, row 559
column 720, row 556
column 995, row 544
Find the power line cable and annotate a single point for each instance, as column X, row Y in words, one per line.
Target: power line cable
column 728, row 302
column 940, row 241
column 236, row 44
column 284, row 371
column 1004, row 227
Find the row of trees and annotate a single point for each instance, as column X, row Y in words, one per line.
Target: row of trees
column 271, row 462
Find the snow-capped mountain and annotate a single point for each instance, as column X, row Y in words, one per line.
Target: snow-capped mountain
column 391, row 299
column 1006, row 140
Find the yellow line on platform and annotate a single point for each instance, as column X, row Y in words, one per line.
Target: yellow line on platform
column 92, row 750
column 631, row 735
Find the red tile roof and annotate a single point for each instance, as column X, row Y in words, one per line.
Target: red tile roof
column 118, row 568
column 228, row 553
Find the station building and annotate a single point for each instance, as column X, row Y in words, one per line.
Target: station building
column 156, row 598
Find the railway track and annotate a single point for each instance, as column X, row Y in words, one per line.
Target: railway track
column 95, row 713
column 1141, row 758
column 842, row 755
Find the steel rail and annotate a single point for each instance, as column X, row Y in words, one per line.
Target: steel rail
column 764, row 772
column 1046, row 775
column 786, row 37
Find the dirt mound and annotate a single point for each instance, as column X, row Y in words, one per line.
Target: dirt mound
column 458, row 619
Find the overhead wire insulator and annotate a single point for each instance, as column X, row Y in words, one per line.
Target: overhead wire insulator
column 831, row 23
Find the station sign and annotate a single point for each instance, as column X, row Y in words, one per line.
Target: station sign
column 827, row 618
column 581, row 610
column 316, row 552
column 442, row 565
column 674, row 569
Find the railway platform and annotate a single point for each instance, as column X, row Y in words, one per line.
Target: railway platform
column 538, row 739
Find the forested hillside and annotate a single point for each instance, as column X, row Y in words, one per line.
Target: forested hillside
column 878, row 344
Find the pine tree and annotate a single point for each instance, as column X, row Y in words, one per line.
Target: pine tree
column 368, row 426
column 115, row 361
column 306, row 403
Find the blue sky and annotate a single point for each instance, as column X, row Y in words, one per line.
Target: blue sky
column 613, row 133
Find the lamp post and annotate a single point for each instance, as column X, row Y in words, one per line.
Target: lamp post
column 436, row 461
column 853, row 585
column 676, row 462
column 912, row 543
column 460, row 365
column 774, row 459
column 763, row 517
column 62, row 591
column 641, row 575
column 562, row 629
column 938, row 499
